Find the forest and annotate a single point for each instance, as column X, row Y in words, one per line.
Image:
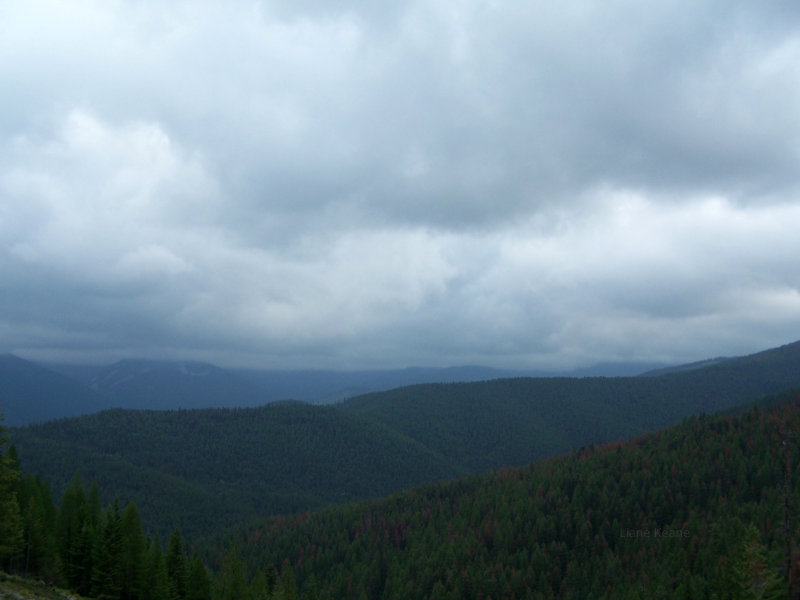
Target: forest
column 707, row 508
column 202, row 470
column 678, row 484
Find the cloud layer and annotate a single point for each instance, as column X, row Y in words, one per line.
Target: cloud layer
column 297, row 184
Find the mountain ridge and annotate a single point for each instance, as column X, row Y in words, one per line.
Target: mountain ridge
column 165, row 385
column 414, row 434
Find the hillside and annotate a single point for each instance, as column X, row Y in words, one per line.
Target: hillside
column 506, row 422
column 202, row 469
column 165, row 385
column 30, row 393
column 694, row 511
column 33, row 393
column 227, row 465
column 20, row 588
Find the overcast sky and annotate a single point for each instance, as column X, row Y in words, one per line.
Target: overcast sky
column 358, row 184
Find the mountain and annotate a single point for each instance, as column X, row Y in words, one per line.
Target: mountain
column 685, row 367
column 30, row 393
column 200, row 470
column 694, row 511
column 327, row 387
column 163, row 385
column 492, row 424
column 292, row 456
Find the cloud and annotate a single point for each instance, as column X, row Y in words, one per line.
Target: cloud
column 307, row 184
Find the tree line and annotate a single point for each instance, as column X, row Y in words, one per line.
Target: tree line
column 104, row 553
column 706, row 509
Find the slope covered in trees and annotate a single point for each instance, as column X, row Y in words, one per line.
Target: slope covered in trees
column 228, row 465
column 33, row 393
column 200, row 470
column 506, row 422
column 51, row 551
column 706, row 509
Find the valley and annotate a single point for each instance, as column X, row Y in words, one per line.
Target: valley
column 427, row 487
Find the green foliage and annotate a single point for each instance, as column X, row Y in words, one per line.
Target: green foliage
column 202, row 470
column 107, row 565
column 232, row 580
column 11, row 522
column 156, row 580
column 40, row 553
column 177, row 567
column 198, row 584
column 693, row 511
column 133, row 554
column 96, row 552
column 287, row 584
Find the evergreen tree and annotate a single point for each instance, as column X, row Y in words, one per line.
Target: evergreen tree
column 310, row 589
column 71, row 522
column 40, row 554
column 231, row 582
column 177, row 570
column 132, row 554
column 198, row 585
column 107, row 574
column 11, row 523
column 156, row 584
column 287, row 586
column 264, row 583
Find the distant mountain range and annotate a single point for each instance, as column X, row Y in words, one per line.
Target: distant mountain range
column 34, row 393
column 201, row 469
column 31, row 393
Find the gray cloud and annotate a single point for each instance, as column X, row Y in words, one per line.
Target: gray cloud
column 302, row 184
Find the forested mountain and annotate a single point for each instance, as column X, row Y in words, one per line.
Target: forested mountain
column 498, row 423
column 706, row 509
column 30, row 393
column 199, row 470
column 225, row 465
column 164, row 385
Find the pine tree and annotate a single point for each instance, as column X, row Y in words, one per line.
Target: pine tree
column 156, row 585
column 40, row 555
column 107, row 573
column 287, row 586
column 231, row 582
column 93, row 505
column 198, row 585
column 71, row 520
column 132, row 554
column 11, row 523
column 177, row 570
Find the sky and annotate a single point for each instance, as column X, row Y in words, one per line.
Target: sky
column 354, row 185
